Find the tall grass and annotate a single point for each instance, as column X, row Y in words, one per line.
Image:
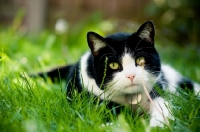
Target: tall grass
column 31, row 105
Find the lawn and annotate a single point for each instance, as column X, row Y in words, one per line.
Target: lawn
column 31, row 105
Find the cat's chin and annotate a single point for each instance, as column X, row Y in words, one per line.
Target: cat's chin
column 132, row 86
column 132, row 89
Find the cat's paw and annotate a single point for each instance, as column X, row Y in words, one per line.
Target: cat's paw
column 159, row 113
column 157, row 122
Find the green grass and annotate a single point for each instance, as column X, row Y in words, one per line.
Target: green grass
column 34, row 105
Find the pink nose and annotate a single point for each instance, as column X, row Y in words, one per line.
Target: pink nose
column 131, row 77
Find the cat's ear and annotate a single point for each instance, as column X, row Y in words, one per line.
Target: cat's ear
column 147, row 31
column 95, row 42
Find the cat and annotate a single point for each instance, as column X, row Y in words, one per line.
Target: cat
column 119, row 67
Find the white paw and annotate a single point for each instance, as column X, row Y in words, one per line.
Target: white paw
column 159, row 113
column 157, row 122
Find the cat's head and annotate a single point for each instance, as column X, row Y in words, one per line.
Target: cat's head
column 117, row 59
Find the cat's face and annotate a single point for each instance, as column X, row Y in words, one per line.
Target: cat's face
column 119, row 59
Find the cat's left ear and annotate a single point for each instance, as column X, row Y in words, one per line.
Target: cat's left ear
column 95, row 42
column 147, row 31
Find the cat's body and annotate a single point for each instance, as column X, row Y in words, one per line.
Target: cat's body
column 119, row 66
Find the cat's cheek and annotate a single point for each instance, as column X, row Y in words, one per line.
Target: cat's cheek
column 119, row 80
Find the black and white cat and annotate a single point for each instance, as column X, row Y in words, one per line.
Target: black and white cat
column 118, row 66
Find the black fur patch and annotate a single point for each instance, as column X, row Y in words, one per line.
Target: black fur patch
column 158, row 87
column 186, row 85
column 56, row 74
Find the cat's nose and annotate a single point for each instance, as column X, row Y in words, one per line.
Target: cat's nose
column 131, row 77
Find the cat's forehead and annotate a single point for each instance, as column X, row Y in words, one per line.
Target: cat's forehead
column 123, row 42
column 118, row 37
column 127, row 58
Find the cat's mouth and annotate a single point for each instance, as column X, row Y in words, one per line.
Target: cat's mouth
column 133, row 98
column 132, row 85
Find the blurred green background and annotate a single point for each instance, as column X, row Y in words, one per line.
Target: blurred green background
column 175, row 19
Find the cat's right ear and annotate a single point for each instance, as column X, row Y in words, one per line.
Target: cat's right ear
column 95, row 42
column 147, row 31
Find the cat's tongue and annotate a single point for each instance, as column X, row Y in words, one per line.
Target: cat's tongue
column 133, row 98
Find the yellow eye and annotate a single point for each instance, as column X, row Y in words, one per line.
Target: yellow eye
column 140, row 61
column 114, row 65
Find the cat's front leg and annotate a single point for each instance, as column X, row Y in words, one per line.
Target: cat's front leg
column 159, row 112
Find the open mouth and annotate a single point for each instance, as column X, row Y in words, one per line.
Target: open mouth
column 133, row 98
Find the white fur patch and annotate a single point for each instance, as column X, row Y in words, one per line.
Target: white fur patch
column 172, row 77
column 88, row 83
column 157, row 119
column 129, row 67
column 197, row 89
